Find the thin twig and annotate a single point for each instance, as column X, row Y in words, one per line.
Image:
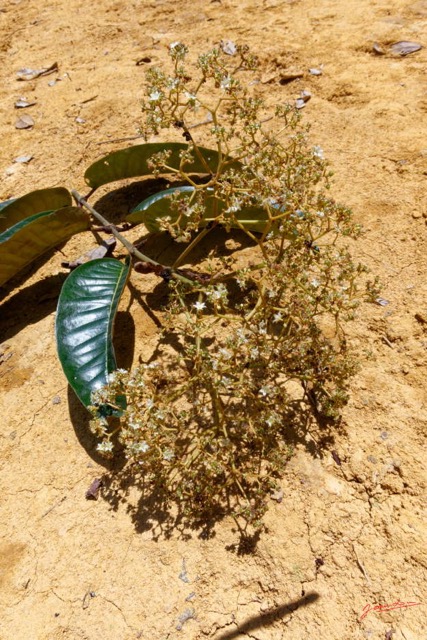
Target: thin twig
column 360, row 565
column 120, row 139
column 129, row 246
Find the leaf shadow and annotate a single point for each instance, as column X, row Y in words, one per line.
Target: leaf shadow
column 30, row 304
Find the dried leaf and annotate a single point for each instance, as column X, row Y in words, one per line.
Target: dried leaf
column 101, row 251
column 336, row 458
column 378, row 49
column 404, row 48
column 93, row 490
column 32, row 74
column 303, row 99
column 315, row 72
column 23, row 104
column 228, row 47
column 382, row 302
column 23, row 159
column 24, row 122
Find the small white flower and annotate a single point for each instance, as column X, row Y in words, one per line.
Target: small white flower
column 141, row 447
column 254, row 353
column 111, row 377
column 168, row 454
column 318, row 152
column 264, row 391
column 277, row 316
column 226, row 82
column 199, row 306
column 150, row 403
column 154, row 96
column 105, row 447
column 241, row 336
column 315, row 283
column 225, row 353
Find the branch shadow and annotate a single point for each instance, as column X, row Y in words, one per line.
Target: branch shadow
column 270, row 617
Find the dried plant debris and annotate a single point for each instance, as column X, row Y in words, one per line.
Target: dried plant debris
column 228, row 47
column 187, row 614
column 93, row 490
column 23, row 159
column 106, row 248
column 305, row 96
column 378, row 49
column 22, row 103
column 32, row 74
column 24, row 122
column 404, row 48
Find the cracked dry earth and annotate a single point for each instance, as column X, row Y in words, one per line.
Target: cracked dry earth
column 344, row 535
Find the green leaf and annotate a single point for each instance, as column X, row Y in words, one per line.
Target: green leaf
column 84, row 323
column 6, row 203
column 12, row 211
column 159, row 206
column 30, row 238
column 132, row 162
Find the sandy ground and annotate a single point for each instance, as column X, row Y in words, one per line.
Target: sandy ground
column 344, row 536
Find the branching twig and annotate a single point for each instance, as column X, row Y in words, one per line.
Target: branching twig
column 128, row 245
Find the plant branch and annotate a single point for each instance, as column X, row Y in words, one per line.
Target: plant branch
column 128, row 245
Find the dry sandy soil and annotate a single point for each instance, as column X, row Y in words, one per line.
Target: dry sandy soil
column 343, row 537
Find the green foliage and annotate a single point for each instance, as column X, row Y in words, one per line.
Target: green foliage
column 253, row 348
column 84, row 324
column 166, row 211
column 32, row 236
column 137, row 161
column 260, row 350
column 18, row 209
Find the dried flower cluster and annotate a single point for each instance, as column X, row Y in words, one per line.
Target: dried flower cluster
column 259, row 345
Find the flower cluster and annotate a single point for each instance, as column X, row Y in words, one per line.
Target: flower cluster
column 259, row 347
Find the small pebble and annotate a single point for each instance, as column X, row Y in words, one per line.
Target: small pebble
column 315, row 72
column 56, row 400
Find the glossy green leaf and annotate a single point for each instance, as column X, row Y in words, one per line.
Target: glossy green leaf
column 84, row 323
column 132, row 162
column 30, row 238
column 6, row 203
column 158, row 206
column 15, row 210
